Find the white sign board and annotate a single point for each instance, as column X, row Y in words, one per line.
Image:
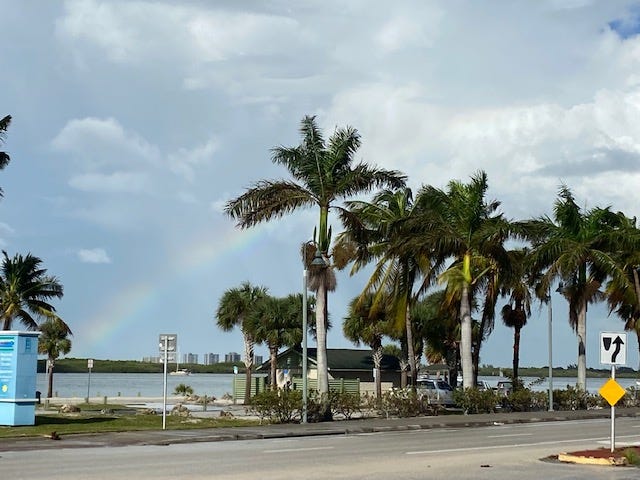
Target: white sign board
column 170, row 341
column 613, row 348
column 90, row 363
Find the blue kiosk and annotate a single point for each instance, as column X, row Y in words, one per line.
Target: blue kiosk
column 18, row 369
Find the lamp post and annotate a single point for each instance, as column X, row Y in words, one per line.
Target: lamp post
column 305, row 388
column 550, row 352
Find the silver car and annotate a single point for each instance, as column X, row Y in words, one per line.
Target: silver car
column 435, row 391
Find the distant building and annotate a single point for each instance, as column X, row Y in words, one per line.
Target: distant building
column 151, row 359
column 257, row 359
column 232, row 357
column 211, row 358
column 190, row 358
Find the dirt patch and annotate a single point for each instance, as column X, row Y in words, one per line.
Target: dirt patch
column 621, row 456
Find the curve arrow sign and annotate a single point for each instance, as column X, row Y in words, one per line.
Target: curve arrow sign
column 618, row 343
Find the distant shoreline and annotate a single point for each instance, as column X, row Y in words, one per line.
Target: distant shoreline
column 79, row 365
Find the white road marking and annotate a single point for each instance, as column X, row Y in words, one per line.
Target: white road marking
column 309, row 449
column 520, row 445
column 511, row 435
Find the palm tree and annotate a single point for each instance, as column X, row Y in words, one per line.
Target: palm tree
column 623, row 297
column 278, row 323
column 517, row 286
column 440, row 331
column 25, row 289
column 377, row 231
column 4, row 156
column 323, row 172
column 234, row 309
column 461, row 227
column 53, row 342
column 577, row 247
column 366, row 323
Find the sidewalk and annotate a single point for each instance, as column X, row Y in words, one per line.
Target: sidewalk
column 341, row 427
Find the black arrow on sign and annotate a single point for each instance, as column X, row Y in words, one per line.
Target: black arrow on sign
column 618, row 342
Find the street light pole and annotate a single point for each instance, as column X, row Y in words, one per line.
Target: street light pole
column 550, row 352
column 305, row 389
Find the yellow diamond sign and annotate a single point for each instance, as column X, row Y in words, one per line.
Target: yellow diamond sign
column 612, row 391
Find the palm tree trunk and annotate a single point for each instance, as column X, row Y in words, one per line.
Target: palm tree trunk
column 410, row 348
column 377, row 361
column 321, row 334
column 403, row 373
column 273, row 359
column 516, row 355
column 465, row 338
column 582, row 346
column 50, row 364
column 248, row 363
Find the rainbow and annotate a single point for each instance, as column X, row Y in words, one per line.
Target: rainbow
column 134, row 299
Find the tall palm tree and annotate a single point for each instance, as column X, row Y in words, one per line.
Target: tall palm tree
column 4, row 156
column 366, row 323
column 53, row 342
column 578, row 247
column 25, row 290
column 517, row 285
column 623, row 297
column 278, row 323
column 234, row 309
column 323, row 172
column 463, row 228
column 377, row 231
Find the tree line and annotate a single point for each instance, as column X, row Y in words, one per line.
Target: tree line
column 442, row 258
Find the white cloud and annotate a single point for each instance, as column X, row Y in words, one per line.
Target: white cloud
column 184, row 161
column 118, row 182
column 406, row 31
column 93, row 255
column 96, row 142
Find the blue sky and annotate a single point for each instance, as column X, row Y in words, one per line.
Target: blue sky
column 134, row 122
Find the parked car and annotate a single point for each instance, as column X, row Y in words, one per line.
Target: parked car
column 504, row 387
column 483, row 385
column 435, row 391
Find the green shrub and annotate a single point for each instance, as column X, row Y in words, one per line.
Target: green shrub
column 401, row 403
column 344, row 403
column 632, row 456
column 631, row 399
column 575, row 399
column 182, row 389
column 282, row 406
column 518, row 400
column 473, row 400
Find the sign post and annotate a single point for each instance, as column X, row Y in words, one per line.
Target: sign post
column 167, row 344
column 613, row 351
column 89, row 366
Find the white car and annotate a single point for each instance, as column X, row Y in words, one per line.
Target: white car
column 435, row 391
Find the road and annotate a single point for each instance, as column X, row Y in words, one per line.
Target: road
column 497, row 452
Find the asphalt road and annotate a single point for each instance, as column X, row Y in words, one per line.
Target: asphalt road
column 496, row 452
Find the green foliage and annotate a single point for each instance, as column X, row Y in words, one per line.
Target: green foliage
column 519, row 400
column 345, row 404
column 473, row 400
column 282, row 406
column 182, row 389
column 632, row 456
column 631, row 399
column 401, row 403
column 575, row 399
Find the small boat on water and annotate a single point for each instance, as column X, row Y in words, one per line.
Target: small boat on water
column 181, row 372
